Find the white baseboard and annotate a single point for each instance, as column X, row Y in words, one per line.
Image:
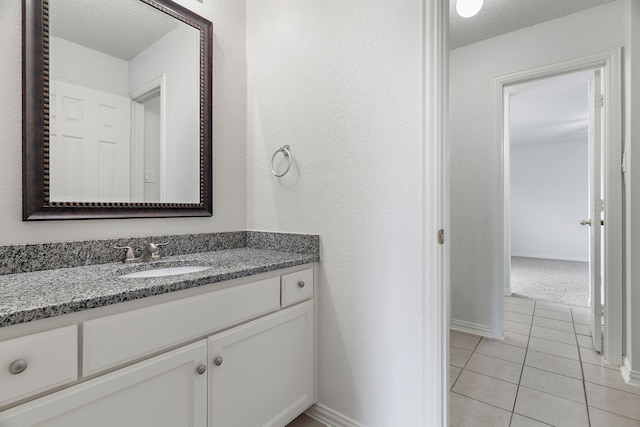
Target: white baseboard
column 471, row 328
column 630, row 376
column 545, row 256
column 330, row 417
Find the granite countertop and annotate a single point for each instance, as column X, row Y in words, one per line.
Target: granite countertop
column 25, row 297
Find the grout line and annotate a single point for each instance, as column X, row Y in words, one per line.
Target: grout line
column 584, row 382
column 524, row 361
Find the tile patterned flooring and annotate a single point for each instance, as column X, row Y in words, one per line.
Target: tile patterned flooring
column 545, row 372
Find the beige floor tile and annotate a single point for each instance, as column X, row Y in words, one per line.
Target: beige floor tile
column 555, row 306
column 553, row 324
column 464, row 340
column 486, row 389
column 585, row 341
column 607, row 377
column 583, row 319
column 553, row 335
column 501, row 351
column 520, row 421
column 520, row 301
column 305, row 421
column 459, row 356
column 588, row 355
column 555, row 384
column 554, row 347
column 515, row 308
column 494, row 367
column 582, row 329
column 614, row 401
column 552, row 314
column 517, row 317
column 511, row 338
column 550, row 409
column 517, row 327
column 556, row 364
column 466, row 412
column 600, row 418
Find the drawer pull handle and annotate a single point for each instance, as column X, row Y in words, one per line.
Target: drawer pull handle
column 202, row 369
column 301, row 284
column 218, row 361
column 18, row 366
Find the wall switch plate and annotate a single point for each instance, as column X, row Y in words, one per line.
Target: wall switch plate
column 149, row 176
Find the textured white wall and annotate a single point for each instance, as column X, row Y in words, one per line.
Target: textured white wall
column 176, row 55
column 549, row 196
column 229, row 108
column 475, row 178
column 340, row 82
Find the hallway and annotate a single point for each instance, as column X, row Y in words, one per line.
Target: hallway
column 545, row 372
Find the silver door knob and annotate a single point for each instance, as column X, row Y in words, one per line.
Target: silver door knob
column 301, row 284
column 218, row 361
column 18, row 366
column 585, row 222
column 201, row 369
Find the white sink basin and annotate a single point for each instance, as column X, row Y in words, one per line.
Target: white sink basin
column 170, row 271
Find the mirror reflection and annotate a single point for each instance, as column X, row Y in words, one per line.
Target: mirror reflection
column 124, row 104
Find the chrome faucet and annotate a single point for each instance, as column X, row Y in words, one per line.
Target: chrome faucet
column 149, row 253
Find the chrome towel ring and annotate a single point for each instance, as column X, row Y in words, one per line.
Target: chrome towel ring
column 287, row 154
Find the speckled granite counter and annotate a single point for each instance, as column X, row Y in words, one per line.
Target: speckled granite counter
column 35, row 295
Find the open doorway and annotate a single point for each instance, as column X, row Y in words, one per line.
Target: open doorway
column 605, row 192
column 548, row 130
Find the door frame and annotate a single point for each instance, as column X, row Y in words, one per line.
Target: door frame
column 610, row 62
column 140, row 95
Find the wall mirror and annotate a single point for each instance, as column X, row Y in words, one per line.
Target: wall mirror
column 116, row 110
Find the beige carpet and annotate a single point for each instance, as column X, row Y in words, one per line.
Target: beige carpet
column 566, row 282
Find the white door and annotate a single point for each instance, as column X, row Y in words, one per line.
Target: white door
column 90, row 145
column 261, row 374
column 595, row 208
column 165, row 391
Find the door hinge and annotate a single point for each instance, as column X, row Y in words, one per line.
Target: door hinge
column 600, row 205
column 599, row 101
column 441, row 236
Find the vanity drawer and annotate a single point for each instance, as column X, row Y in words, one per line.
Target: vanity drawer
column 117, row 339
column 297, row 287
column 39, row 362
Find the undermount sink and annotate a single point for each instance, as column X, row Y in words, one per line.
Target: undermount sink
column 169, row 271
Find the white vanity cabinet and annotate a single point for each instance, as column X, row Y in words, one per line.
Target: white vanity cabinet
column 237, row 355
column 37, row 362
column 164, row 391
column 262, row 372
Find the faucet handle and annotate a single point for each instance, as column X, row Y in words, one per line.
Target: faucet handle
column 152, row 247
column 129, row 254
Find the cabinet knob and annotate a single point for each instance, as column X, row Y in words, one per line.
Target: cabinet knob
column 202, row 369
column 301, row 284
column 218, row 361
column 18, row 366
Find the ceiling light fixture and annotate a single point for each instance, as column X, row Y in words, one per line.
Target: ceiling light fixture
column 468, row 8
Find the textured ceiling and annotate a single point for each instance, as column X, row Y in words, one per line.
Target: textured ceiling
column 120, row 28
column 504, row 16
column 550, row 110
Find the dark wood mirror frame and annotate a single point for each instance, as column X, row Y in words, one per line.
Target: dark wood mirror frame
column 35, row 126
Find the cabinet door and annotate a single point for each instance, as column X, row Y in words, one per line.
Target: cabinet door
column 165, row 391
column 261, row 373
